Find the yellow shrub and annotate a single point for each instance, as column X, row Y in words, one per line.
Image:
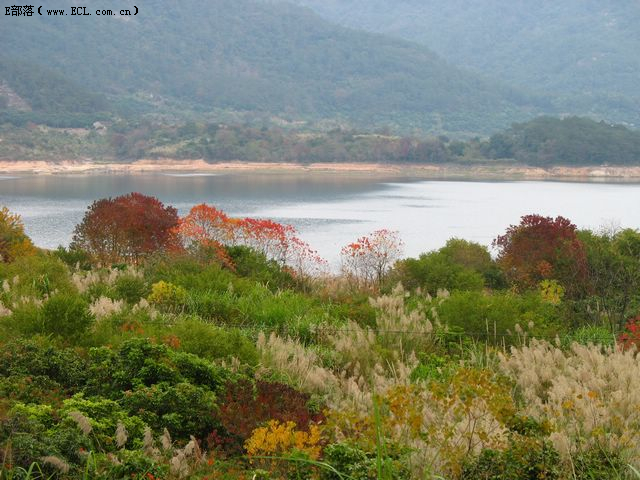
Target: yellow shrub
column 282, row 438
column 167, row 295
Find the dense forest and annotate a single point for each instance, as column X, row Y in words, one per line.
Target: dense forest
column 582, row 53
column 543, row 142
column 212, row 347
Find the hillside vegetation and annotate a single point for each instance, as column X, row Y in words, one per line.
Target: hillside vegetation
column 246, row 55
column 583, row 53
column 159, row 347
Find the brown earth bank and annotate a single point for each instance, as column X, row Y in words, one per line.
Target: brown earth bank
column 515, row 172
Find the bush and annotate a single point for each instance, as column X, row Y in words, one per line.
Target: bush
column 104, row 416
column 183, row 409
column 39, row 358
column 212, row 343
column 168, row 296
column 598, row 463
column 494, row 317
column 525, row 459
column 130, row 289
column 435, row 270
column 66, row 315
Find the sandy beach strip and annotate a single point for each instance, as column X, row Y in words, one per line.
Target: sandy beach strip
column 409, row 170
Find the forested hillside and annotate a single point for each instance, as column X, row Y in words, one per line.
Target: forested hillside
column 584, row 53
column 245, row 55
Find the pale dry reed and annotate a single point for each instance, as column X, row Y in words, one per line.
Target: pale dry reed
column 83, row 422
column 57, row 463
column 84, row 280
column 104, row 307
column 121, row 435
column 590, row 395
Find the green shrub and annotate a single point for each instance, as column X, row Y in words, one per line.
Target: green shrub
column 73, row 257
column 26, row 319
column 597, row 463
column 526, row 458
column 183, row 409
column 66, row 315
column 36, row 275
column 138, row 362
column 435, row 270
column 255, row 265
column 104, row 416
column 33, row 358
column 130, row 289
column 212, row 343
column 494, row 317
column 597, row 335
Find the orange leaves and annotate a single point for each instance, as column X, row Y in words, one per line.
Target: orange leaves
column 370, row 257
column 205, row 223
column 207, row 226
column 14, row 242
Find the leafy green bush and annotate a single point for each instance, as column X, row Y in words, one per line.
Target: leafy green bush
column 183, row 409
column 436, row 270
column 41, row 358
column 104, row 416
column 138, row 362
column 597, row 463
column 26, row 319
column 494, row 317
column 66, row 315
column 210, row 342
column 255, row 265
column 525, row 459
column 36, row 275
column 130, row 289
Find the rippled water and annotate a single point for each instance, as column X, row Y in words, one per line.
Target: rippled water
column 330, row 210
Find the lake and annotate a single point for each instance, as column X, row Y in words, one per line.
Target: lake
column 333, row 209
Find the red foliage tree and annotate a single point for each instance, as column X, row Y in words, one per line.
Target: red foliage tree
column 542, row 248
column 370, row 257
column 127, row 228
column 206, row 226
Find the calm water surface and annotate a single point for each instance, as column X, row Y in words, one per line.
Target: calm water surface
column 330, row 210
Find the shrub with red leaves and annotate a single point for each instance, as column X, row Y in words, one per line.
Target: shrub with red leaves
column 630, row 338
column 246, row 406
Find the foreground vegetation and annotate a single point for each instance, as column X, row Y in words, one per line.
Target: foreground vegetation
column 214, row 347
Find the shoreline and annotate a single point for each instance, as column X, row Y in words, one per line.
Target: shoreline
column 427, row 171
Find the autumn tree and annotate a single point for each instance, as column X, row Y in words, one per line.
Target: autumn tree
column 543, row 248
column 368, row 259
column 14, row 242
column 206, row 226
column 127, row 228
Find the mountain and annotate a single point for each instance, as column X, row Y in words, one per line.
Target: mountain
column 267, row 58
column 585, row 53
